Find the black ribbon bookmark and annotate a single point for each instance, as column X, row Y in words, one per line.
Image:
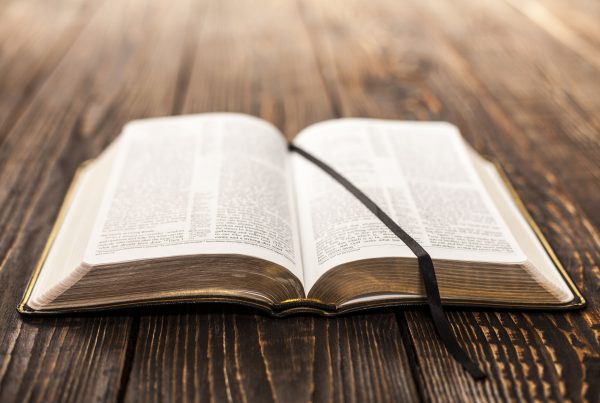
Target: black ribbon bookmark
column 426, row 268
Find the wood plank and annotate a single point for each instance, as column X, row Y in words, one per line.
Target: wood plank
column 547, row 109
column 582, row 17
column 110, row 74
column 410, row 62
column 548, row 89
column 214, row 354
column 33, row 38
column 574, row 24
column 263, row 65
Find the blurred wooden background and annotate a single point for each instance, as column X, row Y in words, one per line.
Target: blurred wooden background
column 520, row 78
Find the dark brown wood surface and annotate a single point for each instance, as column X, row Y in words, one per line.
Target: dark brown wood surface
column 520, row 78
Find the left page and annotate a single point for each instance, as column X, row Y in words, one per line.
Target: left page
column 204, row 184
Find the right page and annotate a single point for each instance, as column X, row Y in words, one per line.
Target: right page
column 419, row 173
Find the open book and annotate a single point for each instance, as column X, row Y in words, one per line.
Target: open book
column 215, row 208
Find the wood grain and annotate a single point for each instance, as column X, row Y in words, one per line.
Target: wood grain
column 265, row 66
column 582, row 18
column 206, row 354
column 390, row 67
column 100, row 83
column 519, row 78
column 34, row 36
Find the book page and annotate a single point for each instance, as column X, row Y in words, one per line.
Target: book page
column 418, row 173
column 204, row 184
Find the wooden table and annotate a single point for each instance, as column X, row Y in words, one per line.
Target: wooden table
column 520, row 78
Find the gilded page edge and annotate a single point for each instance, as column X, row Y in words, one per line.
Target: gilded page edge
column 22, row 307
column 297, row 308
column 542, row 238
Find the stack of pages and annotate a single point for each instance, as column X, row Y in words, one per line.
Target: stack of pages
column 214, row 208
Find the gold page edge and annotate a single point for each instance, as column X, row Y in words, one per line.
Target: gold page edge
column 22, row 307
column 541, row 237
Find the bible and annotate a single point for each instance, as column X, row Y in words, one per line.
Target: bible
column 215, row 208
